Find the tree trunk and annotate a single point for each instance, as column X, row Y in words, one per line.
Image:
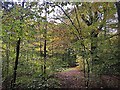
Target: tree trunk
column 16, row 62
column 17, row 54
column 93, row 48
column 45, row 42
column 44, row 70
column 88, row 73
column 118, row 12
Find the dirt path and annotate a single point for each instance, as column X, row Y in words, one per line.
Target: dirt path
column 74, row 78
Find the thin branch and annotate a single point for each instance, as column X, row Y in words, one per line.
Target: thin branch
column 77, row 16
column 69, row 27
column 70, row 20
column 80, row 37
column 113, row 36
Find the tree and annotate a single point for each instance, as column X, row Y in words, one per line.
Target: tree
column 89, row 21
column 118, row 12
column 17, row 53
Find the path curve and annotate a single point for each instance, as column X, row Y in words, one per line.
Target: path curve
column 74, row 78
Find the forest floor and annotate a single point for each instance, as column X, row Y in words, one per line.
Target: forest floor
column 74, row 78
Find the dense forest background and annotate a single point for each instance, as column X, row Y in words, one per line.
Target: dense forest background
column 42, row 39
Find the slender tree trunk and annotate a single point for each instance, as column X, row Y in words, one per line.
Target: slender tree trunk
column 88, row 73
column 93, row 48
column 84, row 70
column 17, row 54
column 27, row 58
column 118, row 12
column 16, row 62
column 44, row 71
column 118, row 30
column 45, row 41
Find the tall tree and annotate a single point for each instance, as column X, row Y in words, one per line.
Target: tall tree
column 118, row 30
column 17, row 52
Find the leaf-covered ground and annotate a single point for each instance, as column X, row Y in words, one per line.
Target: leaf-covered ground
column 73, row 78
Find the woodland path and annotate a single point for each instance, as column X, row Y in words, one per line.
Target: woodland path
column 73, row 78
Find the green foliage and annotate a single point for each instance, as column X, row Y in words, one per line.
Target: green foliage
column 85, row 36
column 107, row 62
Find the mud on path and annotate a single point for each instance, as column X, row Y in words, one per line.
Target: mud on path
column 73, row 78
